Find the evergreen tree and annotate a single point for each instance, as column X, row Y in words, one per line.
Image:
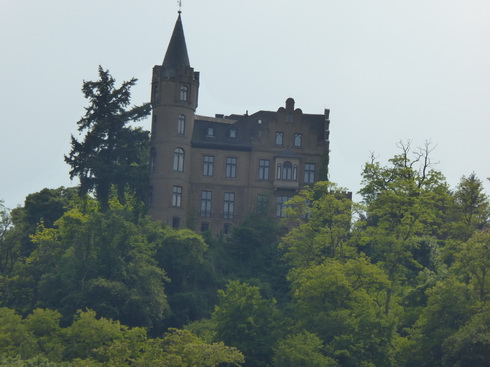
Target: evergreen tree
column 111, row 153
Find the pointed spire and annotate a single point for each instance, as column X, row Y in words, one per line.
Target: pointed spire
column 176, row 55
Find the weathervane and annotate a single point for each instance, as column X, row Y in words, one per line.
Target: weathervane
column 180, row 5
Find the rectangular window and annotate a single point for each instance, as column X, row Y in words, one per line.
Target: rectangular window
column 227, row 228
column 279, row 138
column 208, row 165
column 264, row 165
column 177, row 196
column 232, row 133
column 280, row 205
column 230, row 171
column 309, row 173
column 298, row 139
column 210, row 131
column 206, row 197
column 229, row 207
column 204, row 226
column 262, row 204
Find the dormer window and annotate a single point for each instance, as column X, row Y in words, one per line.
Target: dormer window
column 232, row 133
column 210, row 131
column 184, row 92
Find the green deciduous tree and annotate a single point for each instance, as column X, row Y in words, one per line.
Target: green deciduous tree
column 15, row 338
column 45, row 327
column 321, row 219
column 448, row 308
column 472, row 264
column 111, row 153
column 343, row 304
column 304, row 349
column 101, row 261
column 181, row 348
column 470, row 209
column 470, row 345
column 245, row 320
column 405, row 202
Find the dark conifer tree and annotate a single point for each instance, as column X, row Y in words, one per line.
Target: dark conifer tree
column 112, row 153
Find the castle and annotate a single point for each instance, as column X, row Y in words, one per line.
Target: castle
column 209, row 173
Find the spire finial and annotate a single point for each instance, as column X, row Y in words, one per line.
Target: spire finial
column 180, row 5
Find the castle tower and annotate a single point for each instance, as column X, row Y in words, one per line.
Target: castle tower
column 174, row 98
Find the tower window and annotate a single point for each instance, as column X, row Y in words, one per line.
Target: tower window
column 184, row 92
column 309, row 173
column 279, row 138
column 297, row 140
column 230, row 171
column 153, row 157
column 178, row 160
column 181, row 125
column 206, row 197
column 155, row 93
column 264, row 165
column 154, row 125
column 208, row 165
column 229, row 205
column 177, row 196
column 289, row 118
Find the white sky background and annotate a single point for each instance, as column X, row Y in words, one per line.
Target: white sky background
column 388, row 70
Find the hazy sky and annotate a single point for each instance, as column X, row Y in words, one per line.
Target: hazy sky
column 388, row 70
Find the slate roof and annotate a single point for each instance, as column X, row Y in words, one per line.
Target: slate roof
column 246, row 127
column 176, row 55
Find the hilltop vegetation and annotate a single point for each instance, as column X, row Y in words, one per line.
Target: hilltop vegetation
column 400, row 279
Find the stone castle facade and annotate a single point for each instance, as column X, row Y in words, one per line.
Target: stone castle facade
column 209, row 173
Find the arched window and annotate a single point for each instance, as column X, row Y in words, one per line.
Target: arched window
column 287, row 171
column 297, row 139
column 181, row 125
column 153, row 157
column 179, row 160
column 184, row 92
column 279, row 138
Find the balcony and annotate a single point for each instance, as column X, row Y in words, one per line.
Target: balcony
column 286, row 184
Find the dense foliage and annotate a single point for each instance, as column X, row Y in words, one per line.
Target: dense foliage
column 399, row 279
column 112, row 154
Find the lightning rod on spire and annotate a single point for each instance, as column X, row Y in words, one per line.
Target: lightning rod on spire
column 180, row 5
